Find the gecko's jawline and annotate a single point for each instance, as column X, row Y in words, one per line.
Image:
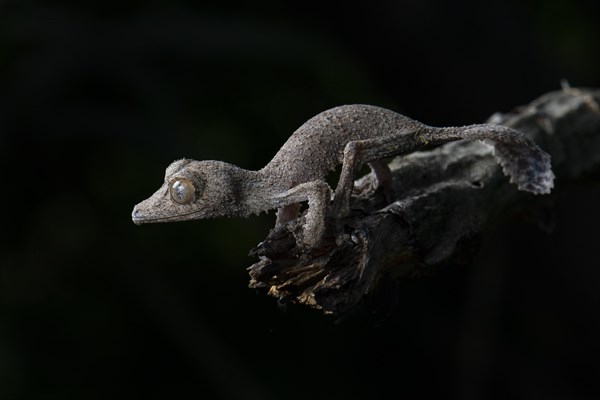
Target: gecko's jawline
column 153, row 220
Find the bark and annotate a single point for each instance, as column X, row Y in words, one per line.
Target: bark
column 443, row 198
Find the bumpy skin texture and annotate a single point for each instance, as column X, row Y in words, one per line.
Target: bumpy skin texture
column 317, row 147
column 350, row 135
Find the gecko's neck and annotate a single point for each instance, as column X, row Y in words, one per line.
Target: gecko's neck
column 254, row 192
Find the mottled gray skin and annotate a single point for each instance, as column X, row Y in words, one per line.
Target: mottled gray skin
column 349, row 135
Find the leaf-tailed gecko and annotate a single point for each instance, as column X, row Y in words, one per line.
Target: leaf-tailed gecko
column 350, row 135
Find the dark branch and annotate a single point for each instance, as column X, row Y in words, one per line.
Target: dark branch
column 444, row 197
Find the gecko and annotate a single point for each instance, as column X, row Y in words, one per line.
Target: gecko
column 350, row 136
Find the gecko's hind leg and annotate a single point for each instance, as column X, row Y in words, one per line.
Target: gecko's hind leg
column 380, row 179
column 521, row 159
column 383, row 175
column 372, row 151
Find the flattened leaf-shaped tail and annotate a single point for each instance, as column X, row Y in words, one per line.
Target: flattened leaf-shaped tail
column 527, row 165
column 522, row 160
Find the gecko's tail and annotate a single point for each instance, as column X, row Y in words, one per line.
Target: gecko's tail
column 527, row 165
column 523, row 161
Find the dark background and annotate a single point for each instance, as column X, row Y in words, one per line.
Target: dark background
column 98, row 97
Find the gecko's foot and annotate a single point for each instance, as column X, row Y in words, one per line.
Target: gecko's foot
column 388, row 193
column 369, row 188
column 308, row 240
column 293, row 238
column 339, row 209
column 368, row 184
column 365, row 186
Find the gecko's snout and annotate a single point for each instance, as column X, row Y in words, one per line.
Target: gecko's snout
column 136, row 216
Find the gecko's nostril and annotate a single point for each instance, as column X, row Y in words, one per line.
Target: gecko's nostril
column 135, row 214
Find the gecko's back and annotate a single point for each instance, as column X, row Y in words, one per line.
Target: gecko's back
column 317, row 147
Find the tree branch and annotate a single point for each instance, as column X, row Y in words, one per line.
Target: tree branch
column 444, row 197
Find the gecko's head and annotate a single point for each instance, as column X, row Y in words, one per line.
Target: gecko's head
column 191, row 190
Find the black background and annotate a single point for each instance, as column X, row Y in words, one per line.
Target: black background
column 98, row 97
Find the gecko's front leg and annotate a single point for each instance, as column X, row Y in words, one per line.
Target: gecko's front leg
column 318, row 195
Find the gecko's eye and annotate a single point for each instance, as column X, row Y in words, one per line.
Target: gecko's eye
column 182, row 191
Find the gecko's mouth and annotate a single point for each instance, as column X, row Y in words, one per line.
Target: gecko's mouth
column 138, row 217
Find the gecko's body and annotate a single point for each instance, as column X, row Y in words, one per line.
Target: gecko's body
column 348, row 135
column 317, row 147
